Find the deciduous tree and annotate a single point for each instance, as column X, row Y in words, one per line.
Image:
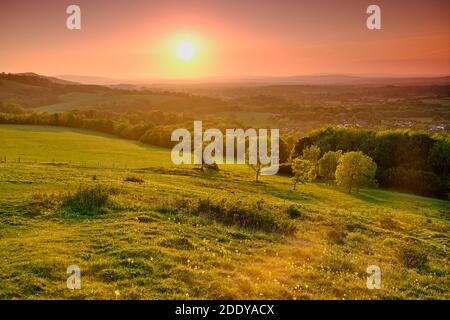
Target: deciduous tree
column 303, row 171
column 354, row 170
column 328, row 164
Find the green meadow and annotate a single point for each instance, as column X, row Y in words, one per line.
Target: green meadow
column 160, row 231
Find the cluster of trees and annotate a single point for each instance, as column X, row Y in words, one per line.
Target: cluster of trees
column 350, row 170
column 410, row 161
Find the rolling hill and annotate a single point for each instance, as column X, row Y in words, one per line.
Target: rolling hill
column 48, row 94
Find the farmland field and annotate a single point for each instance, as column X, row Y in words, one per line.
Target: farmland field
column 158, row 235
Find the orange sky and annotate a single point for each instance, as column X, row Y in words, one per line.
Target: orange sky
column 234, row 38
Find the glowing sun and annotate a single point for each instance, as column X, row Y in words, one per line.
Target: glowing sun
column 185, row 50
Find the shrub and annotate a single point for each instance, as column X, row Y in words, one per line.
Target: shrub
column 253, row 217
column 87, row 200
column 293, row 212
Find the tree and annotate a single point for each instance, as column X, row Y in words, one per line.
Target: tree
column 257, row 169
column 303, row 171
column 312, row 154
column 354, row 170
column 328, row 164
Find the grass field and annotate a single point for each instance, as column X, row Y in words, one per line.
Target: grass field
column 157, row 235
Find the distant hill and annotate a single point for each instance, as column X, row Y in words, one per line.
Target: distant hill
column 359, row 80
column 42, row 93
column 322, row 79
column 30, row 90
column 51, row 79
column 90, row 79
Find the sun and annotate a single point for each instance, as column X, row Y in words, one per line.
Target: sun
column 185, row 50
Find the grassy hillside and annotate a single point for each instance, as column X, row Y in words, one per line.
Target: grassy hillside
column 175, row 232
column 39, row 144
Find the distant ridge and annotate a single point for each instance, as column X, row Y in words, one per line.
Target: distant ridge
column 91, row 80
column 322, row 79
column 52, row 79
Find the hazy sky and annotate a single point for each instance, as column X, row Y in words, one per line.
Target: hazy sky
column 138, row 39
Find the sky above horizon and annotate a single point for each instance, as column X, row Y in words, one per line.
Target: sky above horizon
column 141, row 39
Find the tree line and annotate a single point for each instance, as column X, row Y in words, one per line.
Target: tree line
column 410, row 161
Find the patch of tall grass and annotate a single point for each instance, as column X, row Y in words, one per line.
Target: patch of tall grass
column 88, row 200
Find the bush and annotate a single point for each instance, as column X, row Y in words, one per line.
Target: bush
column 87, row 200
column 293, row 212
column 253, row 217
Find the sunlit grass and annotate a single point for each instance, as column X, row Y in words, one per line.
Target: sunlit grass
column 149, row 245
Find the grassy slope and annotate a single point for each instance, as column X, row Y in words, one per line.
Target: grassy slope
column 170, row 255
